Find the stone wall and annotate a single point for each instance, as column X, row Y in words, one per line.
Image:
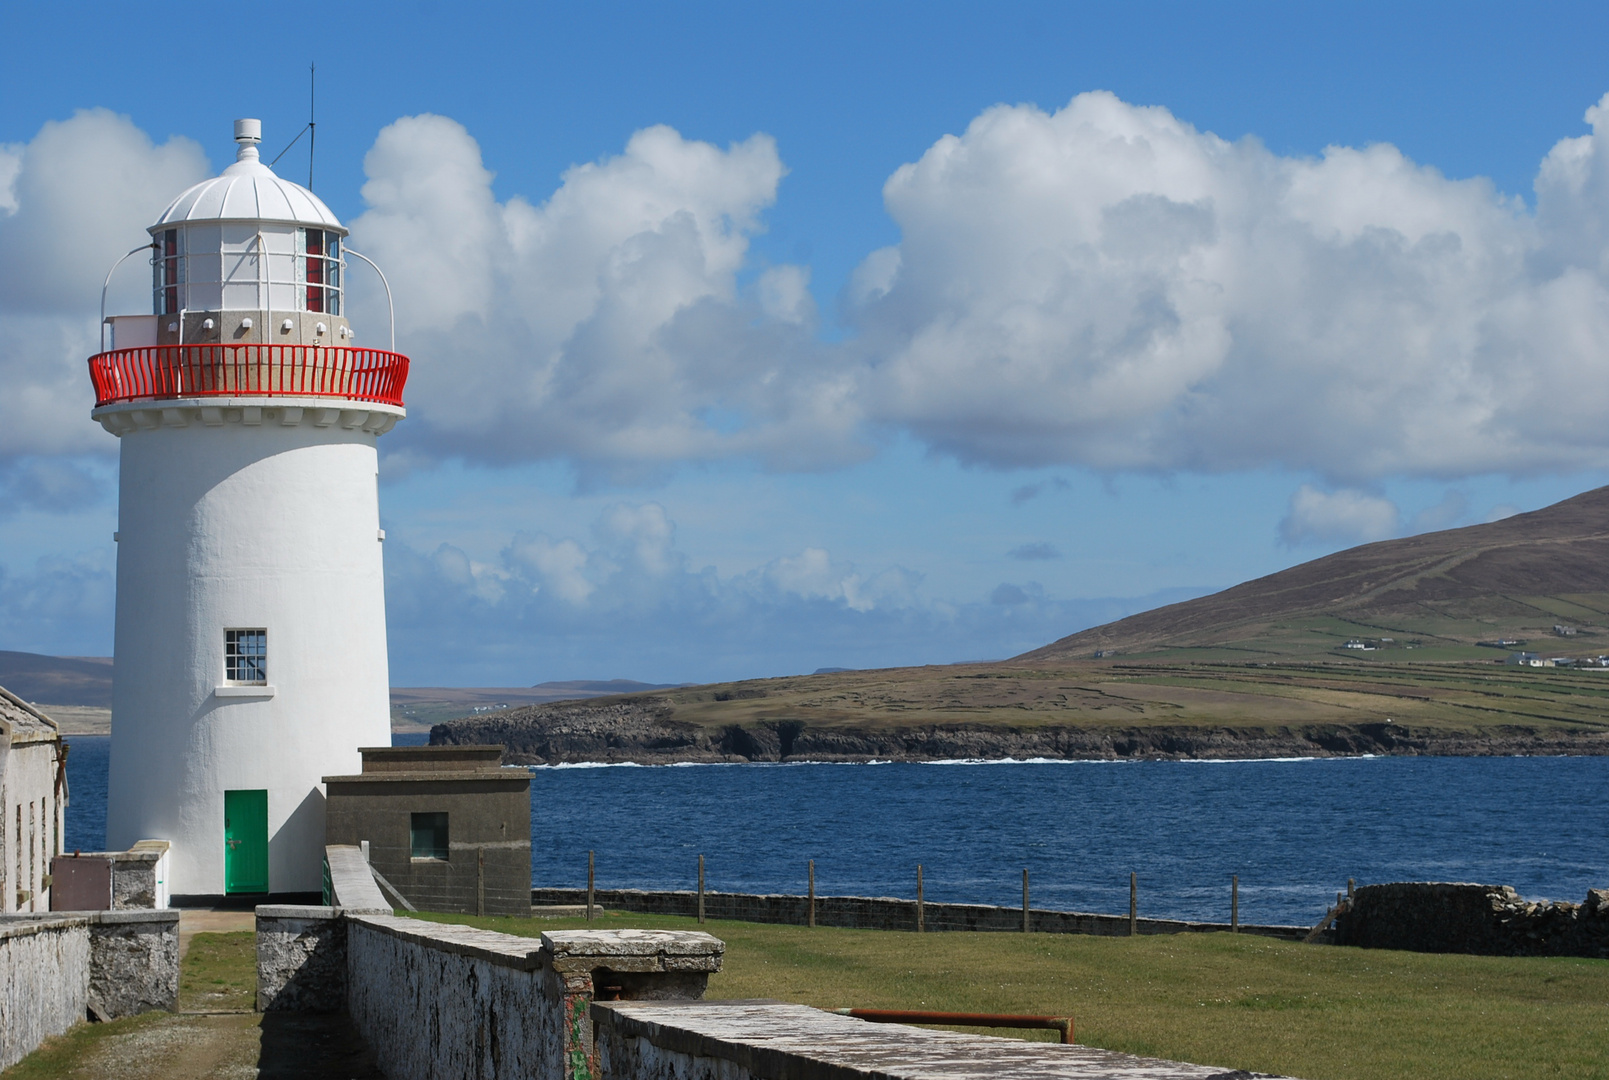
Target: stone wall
column 1488, row 920
column 445, row 1001
column 887, row 913
column 441, row 1001
column 139, row 876
column 748, row 1040
column 56, row 971
column 133, row 962
column 44, row 981
column 301, row 959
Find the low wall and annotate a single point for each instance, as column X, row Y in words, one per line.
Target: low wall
column 748, row 1040
column 58, row 970
column 445, row 1001
column 887, row 913
column 44, row 981
column 1488, row 920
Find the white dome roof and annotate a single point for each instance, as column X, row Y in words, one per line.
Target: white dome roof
column 248, row 190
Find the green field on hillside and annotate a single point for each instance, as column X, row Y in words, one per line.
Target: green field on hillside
column 1235, row 1001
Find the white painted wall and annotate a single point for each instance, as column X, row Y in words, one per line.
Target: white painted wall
column 236, row 525
column 34, row 821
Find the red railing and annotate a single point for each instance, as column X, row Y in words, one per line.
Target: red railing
column 161, row 372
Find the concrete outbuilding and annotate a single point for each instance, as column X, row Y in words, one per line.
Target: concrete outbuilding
column 446, row 827
column 33, row 799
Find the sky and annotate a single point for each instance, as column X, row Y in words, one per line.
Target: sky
column 754, row 339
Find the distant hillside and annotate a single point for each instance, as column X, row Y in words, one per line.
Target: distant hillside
column 606, row 686
column 1441, row 593
column 1259, row 670
column 58, row 680
column 417, row 707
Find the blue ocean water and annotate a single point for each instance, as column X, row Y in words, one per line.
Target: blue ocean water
column 1294, row 831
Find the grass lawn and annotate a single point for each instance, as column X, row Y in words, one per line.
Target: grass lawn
column 1236, row 1001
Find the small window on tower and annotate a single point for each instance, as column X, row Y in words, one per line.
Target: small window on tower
column 168, row 272
column 315, row 269
column 429, row 836
column 245, row 656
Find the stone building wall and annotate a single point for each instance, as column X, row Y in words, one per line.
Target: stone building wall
column 1487, row 920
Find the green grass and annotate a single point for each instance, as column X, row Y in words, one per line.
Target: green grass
column 220, row 973
column 1235, row 1001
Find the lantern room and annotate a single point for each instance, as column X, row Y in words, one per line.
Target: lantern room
column 243, row 258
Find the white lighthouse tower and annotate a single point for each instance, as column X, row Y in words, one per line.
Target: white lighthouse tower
column 250, row 640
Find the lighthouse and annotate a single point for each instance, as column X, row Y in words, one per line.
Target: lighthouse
column 250, row 636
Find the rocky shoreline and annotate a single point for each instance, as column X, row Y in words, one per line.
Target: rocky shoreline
column 644, row 731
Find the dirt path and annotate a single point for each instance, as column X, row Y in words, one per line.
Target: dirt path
column 231, row 1047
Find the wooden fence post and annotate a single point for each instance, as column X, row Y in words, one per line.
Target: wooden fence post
column 810, row 917
column 1234, row 903
column 1025, row 900
column 701, row 888
column 920, row 921
column 590, row 880
column 1134, row 904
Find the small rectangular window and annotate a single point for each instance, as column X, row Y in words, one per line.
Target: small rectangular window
column 315, row 269
column 429, row 836
column 245, row 656
column 169, row 273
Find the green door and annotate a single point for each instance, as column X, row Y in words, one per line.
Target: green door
column 245, row 840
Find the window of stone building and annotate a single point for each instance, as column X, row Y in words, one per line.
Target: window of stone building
column 429, row 836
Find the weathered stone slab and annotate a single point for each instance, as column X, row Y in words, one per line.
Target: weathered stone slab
column 634, row 950
column 352, row 882
column 749, row 1040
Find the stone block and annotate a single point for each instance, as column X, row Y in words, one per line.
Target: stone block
column 134, row 963
column 301, row 959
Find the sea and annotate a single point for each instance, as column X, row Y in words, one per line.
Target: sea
column 1293, row 830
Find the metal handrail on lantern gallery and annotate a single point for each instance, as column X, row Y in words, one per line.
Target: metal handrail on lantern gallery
column 165, row 372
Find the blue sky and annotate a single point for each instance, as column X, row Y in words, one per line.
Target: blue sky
column 752, row 339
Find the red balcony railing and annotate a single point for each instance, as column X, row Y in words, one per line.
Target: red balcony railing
column 164, row 372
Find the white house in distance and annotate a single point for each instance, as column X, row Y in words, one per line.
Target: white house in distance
column 250, row 639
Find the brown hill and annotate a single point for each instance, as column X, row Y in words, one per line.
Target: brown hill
column 58, row 680
column 1517, row 578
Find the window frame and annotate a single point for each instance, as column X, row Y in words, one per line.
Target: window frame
column 439, row 832
column 236, row 661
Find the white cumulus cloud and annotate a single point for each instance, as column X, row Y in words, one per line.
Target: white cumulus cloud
column 1108, row 286
column 1331, row 517
column 72, row 200
column 605, row 324
column 1102, row 285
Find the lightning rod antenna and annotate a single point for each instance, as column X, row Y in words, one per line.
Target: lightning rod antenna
column 312, row 128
